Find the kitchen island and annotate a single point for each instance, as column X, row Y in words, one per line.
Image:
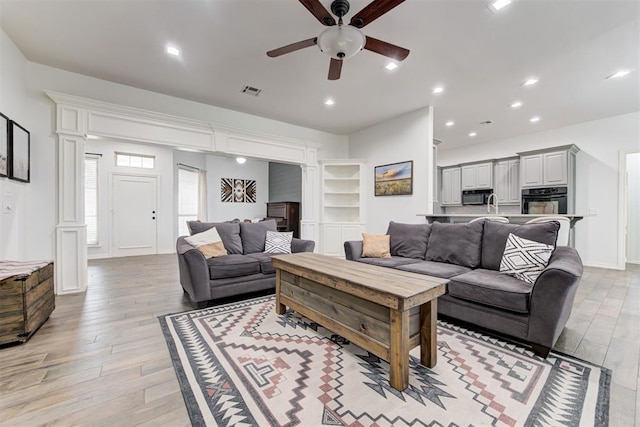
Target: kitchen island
column 513, row 218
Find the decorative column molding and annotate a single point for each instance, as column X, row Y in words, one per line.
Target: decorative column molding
column 310, row 203
column 71, row 231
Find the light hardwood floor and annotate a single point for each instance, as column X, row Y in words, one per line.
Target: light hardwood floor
column 101, row 358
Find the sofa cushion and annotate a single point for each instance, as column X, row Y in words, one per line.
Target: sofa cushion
column 525, row 259
column 265, row 262
column 437, row 269
column 254, row 234
column 456, row 243
column 375, row 246
column 409, row 240
column 491, row 288
column 278, row 243
column 232, row 266
column 229, row 233
column 208, row 242
column 495, row 237
column 394, row 261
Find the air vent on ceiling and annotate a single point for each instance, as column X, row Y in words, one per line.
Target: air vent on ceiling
column 250, row 90
column 486, row 122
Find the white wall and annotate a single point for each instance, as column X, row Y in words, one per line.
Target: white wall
column 13, row 104
column 633, row 208
column 408, row 137
column 165, row 218
column 600, row 142
column 226, row 167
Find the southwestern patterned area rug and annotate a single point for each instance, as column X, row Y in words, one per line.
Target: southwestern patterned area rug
column 243, row 365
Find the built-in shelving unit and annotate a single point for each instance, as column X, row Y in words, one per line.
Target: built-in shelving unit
column 342, row 216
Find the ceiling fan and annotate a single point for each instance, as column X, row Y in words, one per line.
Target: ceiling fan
column 343, row 41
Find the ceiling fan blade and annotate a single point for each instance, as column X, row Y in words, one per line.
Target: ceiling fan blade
column 335, row 67
column 292, row 47
column 319, row 11
column 387, row 49
column 373, row 11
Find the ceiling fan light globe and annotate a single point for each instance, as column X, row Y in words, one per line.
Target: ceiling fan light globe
column 341, row 42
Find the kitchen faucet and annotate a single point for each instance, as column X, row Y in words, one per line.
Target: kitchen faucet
column 495, row 201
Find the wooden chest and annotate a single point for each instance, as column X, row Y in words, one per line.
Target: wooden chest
column 25, row 304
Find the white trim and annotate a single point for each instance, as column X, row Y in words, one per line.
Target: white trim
column 622, row 205
column 601, row 265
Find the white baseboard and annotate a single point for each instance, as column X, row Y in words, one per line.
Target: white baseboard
column 104, row 256
column 600, row 265
column 633, row 261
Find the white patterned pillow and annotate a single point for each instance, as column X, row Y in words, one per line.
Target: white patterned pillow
column 278, row 243
column 525, row 259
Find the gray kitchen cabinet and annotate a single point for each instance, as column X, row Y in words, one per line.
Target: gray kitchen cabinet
column 553, row 167
column 507, row 181
column 477, row 176
column 451, row 186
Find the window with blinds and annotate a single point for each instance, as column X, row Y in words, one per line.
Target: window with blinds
column 91, row 199
column 187, row 199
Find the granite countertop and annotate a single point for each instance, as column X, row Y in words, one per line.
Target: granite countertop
column 506, row 215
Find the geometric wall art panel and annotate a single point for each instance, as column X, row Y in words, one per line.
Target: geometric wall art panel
column 237, row 190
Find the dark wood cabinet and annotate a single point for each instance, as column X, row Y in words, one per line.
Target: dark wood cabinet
column 287, row 214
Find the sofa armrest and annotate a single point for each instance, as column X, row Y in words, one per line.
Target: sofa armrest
column 300, row 245
column 353, row 249
column 553, row 295
column 194, row 271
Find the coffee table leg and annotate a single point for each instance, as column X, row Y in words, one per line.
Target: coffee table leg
column 280, row 308
column 429, row 333
column 399, row 349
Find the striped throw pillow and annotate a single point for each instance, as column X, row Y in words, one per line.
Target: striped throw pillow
column 278, row 243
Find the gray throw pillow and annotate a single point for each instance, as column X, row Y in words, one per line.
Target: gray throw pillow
column 496, row 234
column 455, row 243
column 229, row 232
column 254, row 234
column 409, row 240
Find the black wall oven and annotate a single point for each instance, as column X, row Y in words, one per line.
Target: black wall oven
column 547, row 200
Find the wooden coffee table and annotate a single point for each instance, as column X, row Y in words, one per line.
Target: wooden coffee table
column 385, row 311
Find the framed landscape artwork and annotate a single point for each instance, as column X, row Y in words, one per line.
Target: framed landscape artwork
column 4, row 145
column 19, row 152
column 394, row 179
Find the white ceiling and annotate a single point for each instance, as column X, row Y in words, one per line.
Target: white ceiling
column 481, row 58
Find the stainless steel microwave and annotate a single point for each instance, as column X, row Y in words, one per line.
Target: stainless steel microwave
column 475, row 197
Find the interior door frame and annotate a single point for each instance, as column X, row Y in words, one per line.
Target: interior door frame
column 622, row 205
column 112, row 226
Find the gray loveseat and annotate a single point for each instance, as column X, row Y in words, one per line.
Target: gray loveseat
column 469, row 255
column 246, row 268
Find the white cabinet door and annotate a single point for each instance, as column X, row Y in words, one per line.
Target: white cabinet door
column 501, row 187
column 445, row 193
column 514, row 182
column 469, row 177
column 555, row 168
column 456, row 193
column 484, row 174
column 531, row 170
column 332, row 243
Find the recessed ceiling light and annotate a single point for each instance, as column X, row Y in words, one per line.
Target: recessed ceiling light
column 516, row 104
column 534, row 119
column 449, row 123
column 172, row 50
column 391, row 66
column 438, row 89
column 496, row 5
column 329, row 101
column 618, row 74
column 241, row 160
column 472, row 134
column 530, row 81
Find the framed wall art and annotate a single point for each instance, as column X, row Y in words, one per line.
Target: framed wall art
column 234, row 190
column 4, row 145
column 19, row 152
column 395, row 179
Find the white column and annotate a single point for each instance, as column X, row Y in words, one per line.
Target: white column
column 71, row 232
column 310, row 203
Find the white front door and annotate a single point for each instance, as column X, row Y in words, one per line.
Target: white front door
column 134, row 215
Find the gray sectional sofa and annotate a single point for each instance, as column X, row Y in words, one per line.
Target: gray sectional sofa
column 246, row 268
column 469, row 255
